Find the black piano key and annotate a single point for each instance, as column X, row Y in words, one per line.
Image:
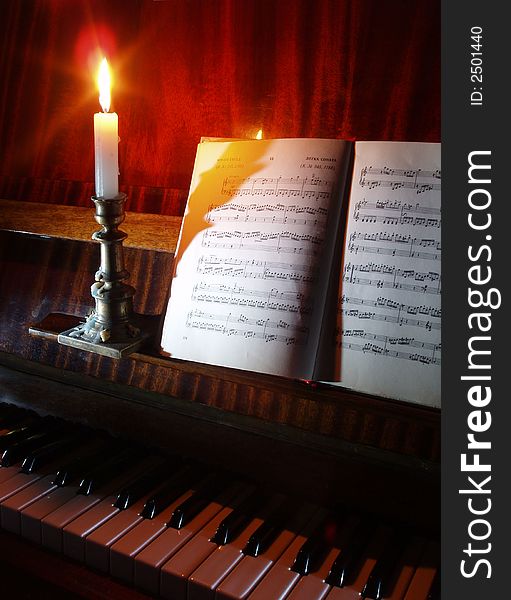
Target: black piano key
column 171, row 491
column 145, row 483
column 434, row 591
column 268, row 531
column 24, row 431
column 42, row 456
column 191, row 507
column 378, row 582
column 107, row 471
column 17, row 452
column 76, row 468
column 234, row 524
column 344, row 566
column 315, row 548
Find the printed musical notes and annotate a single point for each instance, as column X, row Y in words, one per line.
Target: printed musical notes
column 253, row 279
column 394, row 244
column 255, row 266
column 313, row 188
column 250, row 268
column 389, row 302
column 411, row 179
column 249, row 328
column 402, row 348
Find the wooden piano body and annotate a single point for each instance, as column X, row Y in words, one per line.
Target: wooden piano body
column 327, row 445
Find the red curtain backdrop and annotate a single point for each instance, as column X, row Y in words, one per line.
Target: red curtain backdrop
column 351, row 69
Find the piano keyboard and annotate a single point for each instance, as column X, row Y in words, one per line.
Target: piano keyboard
column 180, row 530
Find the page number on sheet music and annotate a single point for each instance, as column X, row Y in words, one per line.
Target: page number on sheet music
column 476, row 66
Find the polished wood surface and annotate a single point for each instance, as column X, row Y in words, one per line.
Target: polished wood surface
column 148, row 231
column 44, row 274
column 314, row 440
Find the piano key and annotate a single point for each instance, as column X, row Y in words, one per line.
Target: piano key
column 349, row 557
column 404, row 570
column 271, row 541
column 313, row 551
column 32, row 516
column 232, row 525
column 76, row 531
column 170, row 490
column 16, row 483
column 378, row 582
column 175, row 572
column 22, row 448
column 337, row 535
column 107, row 470
column 266, row 534
column 185, row 512
column 25, row 430
column 8, row 472
column 434, row 591
column 49, row 452
column 280, row 579
column 355, row 583
column 425, row 574
column 10, row 509
column 144, row 485
column 40, row 486
column 149, row 561
column 210, row 574
column 95, row 452
column 52, row 524
column 123, row 552
column 98, row 543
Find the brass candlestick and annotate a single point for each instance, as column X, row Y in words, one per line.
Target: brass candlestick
column 112, row 329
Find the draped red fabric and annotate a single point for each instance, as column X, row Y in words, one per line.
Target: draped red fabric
column 351, row 69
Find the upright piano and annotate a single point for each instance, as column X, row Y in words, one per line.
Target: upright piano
column 148, row 476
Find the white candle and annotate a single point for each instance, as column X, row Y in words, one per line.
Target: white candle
column 106, row 140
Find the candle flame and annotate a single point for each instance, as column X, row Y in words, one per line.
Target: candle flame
column 259, row 135
column 104, row 85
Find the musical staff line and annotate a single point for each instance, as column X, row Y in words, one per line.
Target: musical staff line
column 388, row 344
column 391, row 251
column 303, row 187
column 397, row 220
column 392, row 271
column 398, row 320
column 400, row 179
column 409, row 173
column 282, row 208
column 395, row 238
column 397, row 205
column 232, row 325
column 255, row 240
column 273, row 299
column 382, row 284
column 370, row 348
column 389, row 304
column 256, row 269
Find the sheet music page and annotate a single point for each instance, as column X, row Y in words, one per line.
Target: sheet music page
column 254, row 252
column 389, row 305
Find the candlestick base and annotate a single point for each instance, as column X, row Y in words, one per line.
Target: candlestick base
column 117, row 342
column 112, row 329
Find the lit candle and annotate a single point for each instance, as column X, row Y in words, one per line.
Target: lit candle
column 106, row 140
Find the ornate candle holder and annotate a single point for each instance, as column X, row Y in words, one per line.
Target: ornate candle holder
column 112, row 329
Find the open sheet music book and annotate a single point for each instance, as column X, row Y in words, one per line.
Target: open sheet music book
column 299, row 260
